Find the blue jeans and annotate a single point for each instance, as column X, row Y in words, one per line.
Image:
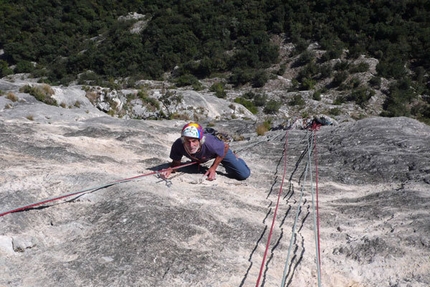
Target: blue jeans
column 235, row 167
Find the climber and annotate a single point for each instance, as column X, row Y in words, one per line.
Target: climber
column 200, row 147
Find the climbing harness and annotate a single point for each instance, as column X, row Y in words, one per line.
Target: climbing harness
column 32, row 205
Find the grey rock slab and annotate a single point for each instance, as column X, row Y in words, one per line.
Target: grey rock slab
column 373, row 204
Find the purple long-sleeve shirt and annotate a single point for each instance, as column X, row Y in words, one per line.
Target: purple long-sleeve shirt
column 210, row 149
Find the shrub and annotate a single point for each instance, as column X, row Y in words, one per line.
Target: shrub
column 297, row 100
column 197, row 86
column 317, row 95
column 11, row 96
column 186, row 80
column 247, row 104
column 149, row 102
column 339, row 100
column 325, row 71
column 359, row 68
column 261, row 129
column 341, row 66
column 334, row 111
column 360, row 96
column 308, row 84
column 240, row 77
column 219, row 89
column 23, row 67
column 282, row 69
column 305, row 58
column 260, row 79
column 375, row 82
column 249, row 95
column 260, row 100
column 4, row 69
column 333, row 53
column 339, row 78
column 272, row 107
column 42, row 93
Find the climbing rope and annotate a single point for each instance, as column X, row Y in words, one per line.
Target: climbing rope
column 316, row 212
column 296, row 218
column 311, row 146
column 275, row 211
column 32, row 205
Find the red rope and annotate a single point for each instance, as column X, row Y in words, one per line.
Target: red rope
column 275, row 212
column 28, row 206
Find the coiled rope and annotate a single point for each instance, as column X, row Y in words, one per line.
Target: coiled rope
column 65, row 195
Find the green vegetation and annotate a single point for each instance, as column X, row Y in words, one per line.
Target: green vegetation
column 94, row 42
column 361, row 96
column 272, row 107
column 219, row 89
column 247, row 104
column 297, row 100
column 42, row 93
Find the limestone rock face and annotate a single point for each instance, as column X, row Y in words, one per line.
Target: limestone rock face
column 373, row 202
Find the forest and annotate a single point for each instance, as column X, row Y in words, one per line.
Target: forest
column 61, row 41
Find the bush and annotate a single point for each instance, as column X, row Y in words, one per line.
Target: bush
column 305, row 58
column 398, row 99
column 240, row 77
column 247, row 104
column 272, row 107
column 359, row 68
column 325, row 71
column 317, row 95
column 339, row 100
column 42, row 93
column 334, row 111
column 375, row 82
column 186, row 80
column 308, row 84
column 4, row 69
column 249, row 95
column 391, row 69
column 260, row 79
column 282, row 69
column 11, row 96
column 339, row 78
column 219, row 89
column 24, row 67
column 151, row 103
column 341, row 66
column 297, row 100
column 261, row 129
column 360, row 96
column 260, row 100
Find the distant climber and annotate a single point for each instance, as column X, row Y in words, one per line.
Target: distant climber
column 305, row 123
column 323, row 120
column 200, row 147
